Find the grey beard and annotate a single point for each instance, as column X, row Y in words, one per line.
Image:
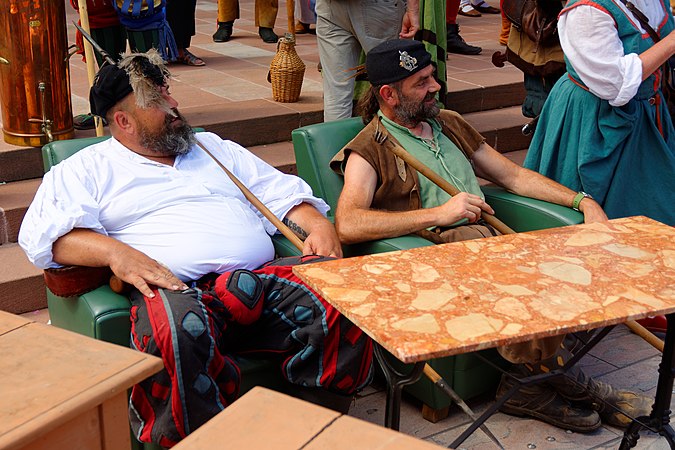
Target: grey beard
column 411, row 113
column 170, row 140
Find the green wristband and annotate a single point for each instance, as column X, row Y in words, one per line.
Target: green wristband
column 578, row 198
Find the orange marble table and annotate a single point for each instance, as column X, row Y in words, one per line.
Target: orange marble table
column 455, row 298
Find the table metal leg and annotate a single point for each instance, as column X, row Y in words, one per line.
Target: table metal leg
column 395, row 382
column 659, row 419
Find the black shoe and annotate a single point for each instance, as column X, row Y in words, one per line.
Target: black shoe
column 543, row 403
column 456, row 44
column 224, row 32
column 267, row 35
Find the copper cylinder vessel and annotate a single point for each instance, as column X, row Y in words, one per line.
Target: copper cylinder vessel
column 34, row 72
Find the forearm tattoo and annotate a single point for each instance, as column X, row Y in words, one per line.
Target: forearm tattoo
column 297, row 229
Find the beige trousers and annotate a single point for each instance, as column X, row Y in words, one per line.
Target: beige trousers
column 265, row 12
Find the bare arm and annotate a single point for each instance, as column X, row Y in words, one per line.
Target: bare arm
column 656, row 55
column 493, row 166
column 87, row 248
column 357, row 222
column 411, row 20
column 317, row 231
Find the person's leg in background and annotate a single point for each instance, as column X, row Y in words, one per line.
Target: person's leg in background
column 339, row 51
column 455, row 42
column 344, row 28
column 305, row 16
column 228, row 11
column 181, row 17
column 265, row 16
column 506, row 26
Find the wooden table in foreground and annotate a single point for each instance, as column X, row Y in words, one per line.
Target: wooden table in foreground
column 448, row 299
column 265, row 419
column 61, row 390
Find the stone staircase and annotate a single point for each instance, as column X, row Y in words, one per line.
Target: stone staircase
column 493, row 110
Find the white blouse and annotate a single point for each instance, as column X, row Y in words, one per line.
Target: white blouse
column 591, row 43
column 190, row 217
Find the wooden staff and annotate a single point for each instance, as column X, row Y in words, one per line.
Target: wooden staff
column 89, row 56
column 504, row 229
column 290, row 10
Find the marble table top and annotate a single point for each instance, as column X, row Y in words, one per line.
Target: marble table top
column 455, row 298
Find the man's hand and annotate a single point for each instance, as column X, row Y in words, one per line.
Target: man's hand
column 323, row 240
column 592, row 211
column 317, row 231
column 138, row 269
column 462, row 206
column 410, row 25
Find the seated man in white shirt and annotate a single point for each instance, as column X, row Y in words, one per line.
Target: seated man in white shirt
column 156, row 209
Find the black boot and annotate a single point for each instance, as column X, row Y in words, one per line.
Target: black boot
column 267, row 35
column 456, row 44
column 577, row 387
column 224, row 32
column 543, row 403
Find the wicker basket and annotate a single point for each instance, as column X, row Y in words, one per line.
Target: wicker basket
column 286, row 71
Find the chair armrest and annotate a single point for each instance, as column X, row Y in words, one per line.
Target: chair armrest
column 100, row 314
column 385, row 245
column 527, row 214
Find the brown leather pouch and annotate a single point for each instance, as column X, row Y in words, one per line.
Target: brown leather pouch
column 72, row 281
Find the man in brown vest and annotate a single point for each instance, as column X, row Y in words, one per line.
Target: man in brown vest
column 383, row 197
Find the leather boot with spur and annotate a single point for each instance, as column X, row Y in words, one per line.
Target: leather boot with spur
column 578, row 387
column 543, row 403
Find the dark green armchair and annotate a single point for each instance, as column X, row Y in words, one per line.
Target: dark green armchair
column 315, row 145
column 103, row 314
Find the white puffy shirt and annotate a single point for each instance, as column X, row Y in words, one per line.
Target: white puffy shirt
column 590, row 41
column 189, row 216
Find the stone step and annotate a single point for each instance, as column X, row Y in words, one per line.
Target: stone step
column 14, row 200
column 465, row 99
column 22, row 287
column 502, row 128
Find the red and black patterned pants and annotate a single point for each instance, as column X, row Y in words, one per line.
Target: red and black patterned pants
column 196, row 332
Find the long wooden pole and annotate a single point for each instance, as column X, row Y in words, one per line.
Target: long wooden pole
column 504, row 229
column 89, row 56
column 290, row 12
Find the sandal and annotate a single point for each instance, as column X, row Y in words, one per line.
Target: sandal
column 189, row 59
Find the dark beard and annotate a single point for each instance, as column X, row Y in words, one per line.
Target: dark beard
column 170, row 140
column 410, row 112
